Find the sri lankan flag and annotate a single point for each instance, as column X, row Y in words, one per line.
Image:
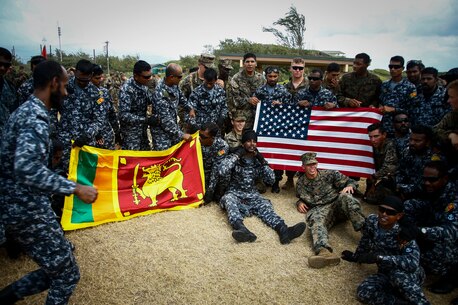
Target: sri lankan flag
column 134, row 183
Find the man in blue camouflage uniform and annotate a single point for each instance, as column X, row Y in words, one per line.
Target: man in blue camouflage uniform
column 414, row 69
column 209, row 101
column 315, row 94
column 80, row 115
column 413, row 160
column 435, row 212
column 432, row 105
column 275, row 94
column 389, row 242
column 134, row 99
column 242, row 198
column 241, row 88
column 8, row 100
column 401, row 126
column 214, row 150
column 26, row 89
column 165, row 105
column 397, row 94
column 110, row 124
column 25, row 185
column 325, row 197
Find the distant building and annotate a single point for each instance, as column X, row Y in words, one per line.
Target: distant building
column 334, row 53
column 158, row 69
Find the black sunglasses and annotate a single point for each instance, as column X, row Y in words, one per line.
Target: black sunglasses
column 389, row 212
column 146, row 76
column 5, row 64
column 204, row 137
column 395, row 66
column 297, row 68
column 431, row 179
column 405, row 120
column 84, row 80
column 313, row 78
column 271, row 70
column 178, row 76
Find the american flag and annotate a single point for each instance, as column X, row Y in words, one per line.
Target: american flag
column 338, row 136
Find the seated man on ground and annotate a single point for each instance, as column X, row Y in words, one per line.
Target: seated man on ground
column 325, row 196
column 242, row 198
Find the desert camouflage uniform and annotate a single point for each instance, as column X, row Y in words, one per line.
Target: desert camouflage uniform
column 134, row 100
column 110, row 125
column 399, row 270
column 233, row 139
column 430, row 110
column 403, row 97
column 326, row 205
column 242, row 197
column 365, row 89
column 439, row 216
column 409, row 176
column 116, row 84
column 25, row 186
column 25, row 90
column 212, row 157
column 241, row 88
column 209, row 105
column 8, row 102
column 316, row 98
column 80, row 115
column 165, row 105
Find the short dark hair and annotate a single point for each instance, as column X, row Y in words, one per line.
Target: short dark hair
column 424, row 130
column 376, row 126
column 210, row 74
column 399, row 112
column 141, row 66
column 35, row 60
column 45, row 72
column 84, row 66
column 271, row 69
column 97, row 69
column 440, row 166
column 249, row 55
column 366, row 58
column 333, row 67
column 316, row 70
column 430, row 70
column 6, row 54
column 415, row 63
column 211, row 127
column 398, row 58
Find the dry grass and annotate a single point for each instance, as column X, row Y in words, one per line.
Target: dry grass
column 189, row 257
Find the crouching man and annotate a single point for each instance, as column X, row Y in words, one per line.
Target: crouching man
column 242, row 198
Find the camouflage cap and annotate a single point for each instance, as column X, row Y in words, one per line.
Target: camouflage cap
column 208, row 60
column 309, row 158
column 239, row 117
column 226, row 63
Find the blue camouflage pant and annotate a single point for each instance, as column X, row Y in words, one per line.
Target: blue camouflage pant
column 382, row 289
column 321, row 218
column 43, row 240
column 238, row 206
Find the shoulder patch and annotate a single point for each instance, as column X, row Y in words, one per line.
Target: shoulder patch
column 413, row 94
column 451, row 217
column 408, row 250
column 435, row 157
column 450, row 207
column 221, row 152
column 100, row 100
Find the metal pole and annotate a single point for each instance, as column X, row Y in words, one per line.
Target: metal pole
column 60, row 46
column 93, row 52
column 108, row 59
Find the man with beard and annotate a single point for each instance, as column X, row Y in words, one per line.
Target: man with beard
column 245, row 166
column 401, row 125
column 414, row 69
column 435, row 212
column 315, row 94
column 8, row 100
column 25, row 185
column 26, row 89
column 431, row 104
column 413, row 160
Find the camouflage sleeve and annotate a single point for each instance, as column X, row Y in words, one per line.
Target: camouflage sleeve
column 341, row 181
column 192, row 100
column 341, row 98
column 446, row 126
column 224, row 110
column 300, row 96
column 267, row 174
column 285, row 96
column 448, row 229
column 31, row 149
column 227, row 164
column 409, row 260
column 168, row 120
column 302, row 193
column 390, row 164
column 239, row 97
column 368, row 232
column 184, row 102
column 185, row 86
column 125, row 103
column 222, row 152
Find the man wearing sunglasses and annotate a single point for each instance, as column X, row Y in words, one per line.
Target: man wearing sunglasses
column 80, row 114
column 315, row 94
column 8, row 101
column 435, row 212
column 397, row 93
column 401, row 125
column 166, row 100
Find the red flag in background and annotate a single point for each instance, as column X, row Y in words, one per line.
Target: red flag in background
column 43, row 52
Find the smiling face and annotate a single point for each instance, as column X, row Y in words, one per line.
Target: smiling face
column 311, row 170
column 249, row 65
column 388, row 217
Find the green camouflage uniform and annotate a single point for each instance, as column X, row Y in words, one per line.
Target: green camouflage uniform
column 241, row 88
column 233, row 139
column 365, row 89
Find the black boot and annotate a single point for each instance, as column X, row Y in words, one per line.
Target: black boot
column 276, row 187
column 241, row 233
column 287, row 234
column 454, row 301
column 443, row 285
column 7, row 296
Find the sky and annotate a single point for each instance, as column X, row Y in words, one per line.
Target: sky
column 158, row 31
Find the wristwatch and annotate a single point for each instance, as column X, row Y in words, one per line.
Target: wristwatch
column 423, row 230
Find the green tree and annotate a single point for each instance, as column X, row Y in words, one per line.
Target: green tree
column 294, row 24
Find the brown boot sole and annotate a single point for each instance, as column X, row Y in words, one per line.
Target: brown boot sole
column 318, row 261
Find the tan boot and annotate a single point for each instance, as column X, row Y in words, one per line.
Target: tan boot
column 322, row 259
column 289, row 184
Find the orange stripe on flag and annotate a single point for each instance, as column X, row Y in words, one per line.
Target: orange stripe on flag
column 103, row 208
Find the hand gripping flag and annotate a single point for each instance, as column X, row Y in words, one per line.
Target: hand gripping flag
column 338, row 136
column 134, row 183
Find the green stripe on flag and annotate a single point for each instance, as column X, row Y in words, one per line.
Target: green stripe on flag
column 85, row 174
